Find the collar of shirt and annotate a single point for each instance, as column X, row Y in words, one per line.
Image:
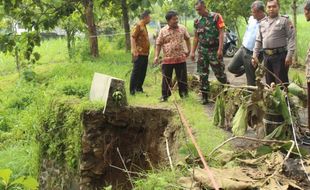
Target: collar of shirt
column 141, row 23
column 271, row 20
column 210, row 14
column 171, row 28
column 250, row 34
column 259, row 21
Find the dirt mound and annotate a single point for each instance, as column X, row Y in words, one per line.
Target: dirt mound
column 135, row 136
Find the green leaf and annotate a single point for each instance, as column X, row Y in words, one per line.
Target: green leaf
column 27, row 182
column 219, row 113
column 278, row 133
column 262, row 150
column 5, row 175
column 286, row 147
column 295, row 90
column 240, row 121
column 281, row 106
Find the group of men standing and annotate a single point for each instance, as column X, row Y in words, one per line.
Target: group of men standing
column 268, row 38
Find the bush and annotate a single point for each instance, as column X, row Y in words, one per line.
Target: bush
column 75, row 90
column 29, row 75
column 3, row 124
column 120, row 42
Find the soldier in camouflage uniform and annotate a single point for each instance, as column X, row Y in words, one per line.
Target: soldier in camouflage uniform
column 209, row 37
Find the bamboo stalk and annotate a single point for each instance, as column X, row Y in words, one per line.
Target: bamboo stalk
column 189, row 131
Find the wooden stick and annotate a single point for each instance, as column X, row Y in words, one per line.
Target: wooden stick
column 189, row 131
column 121, row 169
column 168, row 153
column 129, row 176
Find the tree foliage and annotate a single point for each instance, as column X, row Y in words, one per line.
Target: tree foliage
column 34, row 16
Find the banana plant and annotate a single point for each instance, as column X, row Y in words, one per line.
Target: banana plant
column 23, row 182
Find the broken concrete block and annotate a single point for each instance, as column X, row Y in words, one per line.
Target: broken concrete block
column 109, row 90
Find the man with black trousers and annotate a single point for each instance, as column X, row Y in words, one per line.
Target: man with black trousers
column 171, row 39
column 241, row 62
column 140, row 47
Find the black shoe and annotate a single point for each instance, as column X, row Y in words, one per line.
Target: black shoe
column 183, row 95
column 163, row 99
column 140, row 91
column 132, row 92
column 205, row 100
column 240, row 73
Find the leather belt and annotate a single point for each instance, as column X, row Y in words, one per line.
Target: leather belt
column 275, row 51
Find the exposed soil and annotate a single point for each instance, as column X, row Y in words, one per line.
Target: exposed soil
column 139, row 134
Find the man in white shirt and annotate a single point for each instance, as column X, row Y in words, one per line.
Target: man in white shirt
column 241, row 62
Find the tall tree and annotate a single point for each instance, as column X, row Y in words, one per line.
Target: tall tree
column 72, row 25
column 128, row 6
column 91, row 26
column 126, row 23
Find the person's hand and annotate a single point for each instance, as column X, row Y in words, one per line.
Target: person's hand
column 192, row 56
column 288, row 62
column 187, row 53
column 156, row 60
column 254, row 61
column 134, row 54
column 219, row 53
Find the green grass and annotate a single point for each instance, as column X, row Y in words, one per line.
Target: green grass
column 6, row 64
column 22, row 159
column 303, row 43
column 157, row 180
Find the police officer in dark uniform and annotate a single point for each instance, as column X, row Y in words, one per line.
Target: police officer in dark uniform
column 276, row 36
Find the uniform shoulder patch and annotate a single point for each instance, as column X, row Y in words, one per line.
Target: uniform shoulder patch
column 215, row 16
column 264, row 18
column 285, row 16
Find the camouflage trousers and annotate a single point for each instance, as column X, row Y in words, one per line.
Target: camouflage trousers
column 206, row 58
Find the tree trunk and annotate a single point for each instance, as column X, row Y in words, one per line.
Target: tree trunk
column 92, row 31
column 70, row 42
column 294, row 7
column 17, row 60
column 126, row 23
